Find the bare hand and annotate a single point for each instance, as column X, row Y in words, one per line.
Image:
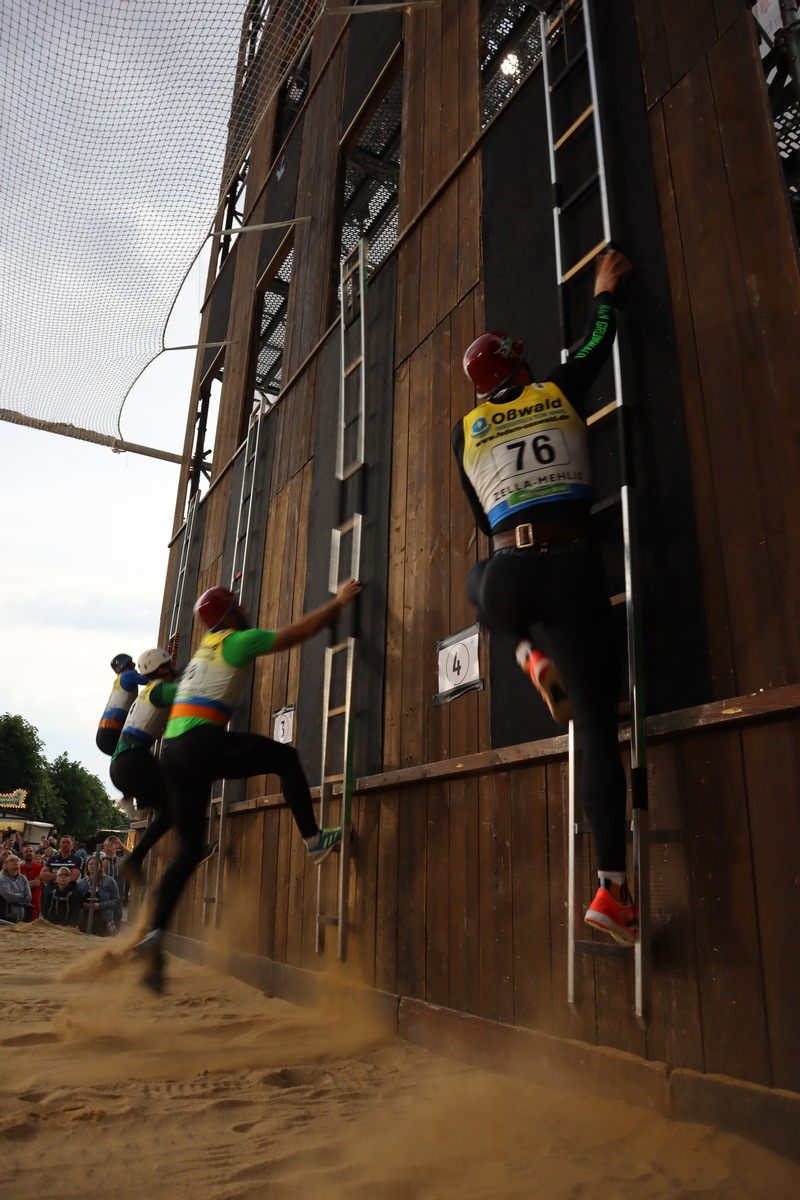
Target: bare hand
column 609, row 267
column 347, row 593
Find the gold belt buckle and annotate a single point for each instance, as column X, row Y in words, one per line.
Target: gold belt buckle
column 523, row 537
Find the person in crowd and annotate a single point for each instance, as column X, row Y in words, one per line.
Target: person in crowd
column 123, row 694
column 100, row 897
column 63, row 905
column 32, row 870
column 197, row 748
column 15, row 893
column 65, row 856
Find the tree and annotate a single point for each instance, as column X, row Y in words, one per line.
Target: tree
column 23, row 765
column 86, row 804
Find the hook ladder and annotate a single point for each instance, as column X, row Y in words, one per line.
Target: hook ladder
column 337, row 724
column 582, row 228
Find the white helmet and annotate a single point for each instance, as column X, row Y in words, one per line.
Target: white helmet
column 151, row 660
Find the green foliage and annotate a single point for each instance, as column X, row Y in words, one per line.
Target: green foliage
column 23, row 765
column 86, row 804
column 63, row 793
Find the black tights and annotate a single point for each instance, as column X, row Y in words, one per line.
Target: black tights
column 137, row 773
column 191, row 763
column 558, row 600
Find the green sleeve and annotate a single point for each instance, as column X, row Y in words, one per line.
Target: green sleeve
column 163, row 694
column 242, row 647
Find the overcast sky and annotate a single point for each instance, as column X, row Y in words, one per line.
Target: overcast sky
column 83, row 548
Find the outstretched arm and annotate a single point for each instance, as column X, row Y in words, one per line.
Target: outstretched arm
column 320, row 618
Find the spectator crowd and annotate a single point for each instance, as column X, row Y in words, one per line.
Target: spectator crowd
column 62, row 883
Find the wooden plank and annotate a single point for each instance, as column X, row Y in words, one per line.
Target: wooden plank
column 410, row 196
column 469, row 232
column 412, row 853
column 437, row 896
column 744, row 488
column 449, row 82
column 362, row 934
column 464, row 860
column 388, row 896
column 772, row 769
column 674, row 1032
column 437, row 508
column 766, row 242
column 728, row 952
column 446, row 261
column 428, row 271
column 415, row 690
column 468, row 56
column 395, row 584
column 653, row 50
column 726, row 12
column 432, row 112
column 408, row 284
column 283, row 876
column 690, row 30
column 496, row 902
column 533, row 985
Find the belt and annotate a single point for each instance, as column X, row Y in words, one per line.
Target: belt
column 539, row 537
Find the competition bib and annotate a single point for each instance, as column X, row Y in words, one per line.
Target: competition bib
column 526, row 452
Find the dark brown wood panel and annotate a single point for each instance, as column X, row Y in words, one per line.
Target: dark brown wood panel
column 469, row 115
column 674, row 1032
column 728, row 949
column 410, row 197
column 533, row 985
column 469, row 232
column 771, row 755
column 408, row 273
column 690, row 30
column 437, row 896
column 395, row 586
column 431, row 125
column 388, row 893
column 412, row 851
column 721, row 655
column 465, row 928
column 496, row 901
column 653, row 50
column 744, row 487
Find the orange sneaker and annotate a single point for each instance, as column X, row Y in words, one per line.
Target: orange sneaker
column 610, row 916
column 546, row 678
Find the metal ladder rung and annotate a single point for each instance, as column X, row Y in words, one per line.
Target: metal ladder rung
column 334, row 778
column 567, row 70
column 351, row 470
column 574, row 127
column 337, row 712
column 618, row 599
column 592, row 182
column 354, row 365
column 584, row 262
column 338, row 648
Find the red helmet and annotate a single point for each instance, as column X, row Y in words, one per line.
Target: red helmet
column 492, row 361
column 214, row 606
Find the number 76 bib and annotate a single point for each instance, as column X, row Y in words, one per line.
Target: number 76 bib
column 525, row 452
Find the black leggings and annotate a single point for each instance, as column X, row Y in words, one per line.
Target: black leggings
column 191, row 763
column 137, row 773
column 559, row 601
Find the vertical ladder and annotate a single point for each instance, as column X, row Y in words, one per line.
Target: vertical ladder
column 219, row 805
column 582, row 228
column 180, row 582
column 337, row 708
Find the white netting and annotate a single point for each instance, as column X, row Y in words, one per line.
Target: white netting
column 114, row 121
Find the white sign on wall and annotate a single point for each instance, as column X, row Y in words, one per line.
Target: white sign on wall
column 283, row 725
column 458, row 665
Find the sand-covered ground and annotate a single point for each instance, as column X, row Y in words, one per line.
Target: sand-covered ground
column 215, row 1091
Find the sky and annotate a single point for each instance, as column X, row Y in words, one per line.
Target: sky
column 84, row 538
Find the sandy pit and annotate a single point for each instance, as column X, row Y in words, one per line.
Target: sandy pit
column 215, row 1091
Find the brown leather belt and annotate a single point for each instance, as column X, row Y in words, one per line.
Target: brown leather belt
column 537, row 537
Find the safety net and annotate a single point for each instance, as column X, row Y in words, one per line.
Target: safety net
column 122, row 125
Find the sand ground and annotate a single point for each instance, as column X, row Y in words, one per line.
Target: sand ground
column 215, row 1091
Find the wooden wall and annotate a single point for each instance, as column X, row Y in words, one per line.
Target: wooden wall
column 458, row 885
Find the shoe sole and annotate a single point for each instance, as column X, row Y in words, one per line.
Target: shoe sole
column 212, row 849
column 319, row 859
column 551, row 688
column 605, row 924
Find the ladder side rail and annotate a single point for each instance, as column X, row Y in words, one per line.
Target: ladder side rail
column 347, row 781
column 362, row 298
column 631, row 560
column 572, row 883
column 183, row 562
column 546, row 75
column 323, row 791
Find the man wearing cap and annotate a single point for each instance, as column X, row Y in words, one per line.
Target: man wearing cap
column 198, row 748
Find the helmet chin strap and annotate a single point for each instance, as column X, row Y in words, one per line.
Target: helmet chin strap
column 509, row 383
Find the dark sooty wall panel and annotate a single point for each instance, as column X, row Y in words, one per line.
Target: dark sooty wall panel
column 281, row 197
column 371, row 41
column 331, row 503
